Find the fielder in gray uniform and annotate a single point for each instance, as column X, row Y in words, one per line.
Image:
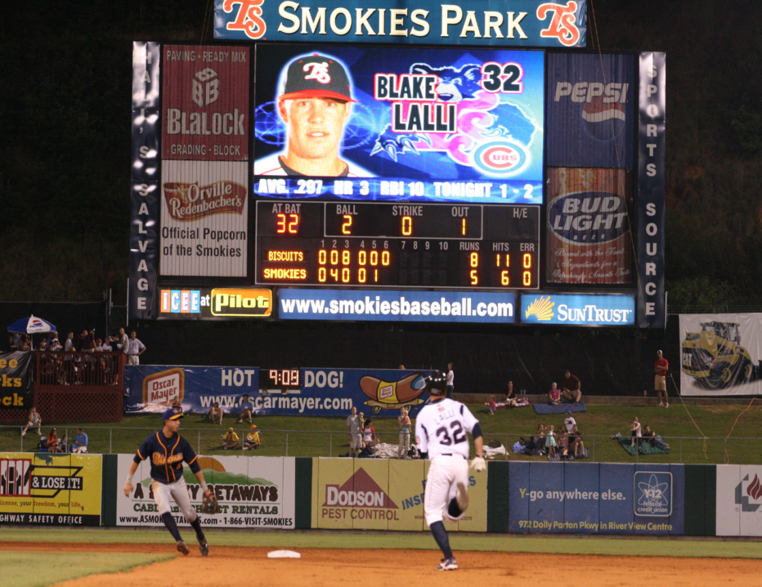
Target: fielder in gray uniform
column 167, row 450
column 441, row 433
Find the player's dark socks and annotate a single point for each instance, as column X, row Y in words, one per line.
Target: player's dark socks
column 199, row 532
column 169, row 522
column 453, row 510
column 443, row 541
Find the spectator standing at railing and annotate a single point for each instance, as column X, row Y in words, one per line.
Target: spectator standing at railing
column 404, row 422
column 107, row 348
column 69, row 342
column 135, row 348
column 88, row 341
column 661, row 367
column 55, row 345
column 124, row 340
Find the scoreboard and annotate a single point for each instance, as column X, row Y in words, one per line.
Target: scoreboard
column 399, row 245
column 448, row 175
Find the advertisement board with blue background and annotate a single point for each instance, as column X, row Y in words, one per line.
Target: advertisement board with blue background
column 525, row 23
column 305, row 392
column 578, row 309
column 405, row 306
column 591, row 110
column 593, row 498
column 438, row 125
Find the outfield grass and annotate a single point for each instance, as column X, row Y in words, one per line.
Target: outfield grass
column 323, row 436
column 39, row 569
column 589, row 544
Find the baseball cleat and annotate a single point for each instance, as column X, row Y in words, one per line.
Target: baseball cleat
column 183, row 548
column 204, row 548
column 461, row 496
column 447, row 564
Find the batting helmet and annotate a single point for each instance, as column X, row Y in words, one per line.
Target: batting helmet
column 436, row 383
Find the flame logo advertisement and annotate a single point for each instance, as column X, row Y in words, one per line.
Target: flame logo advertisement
column 754, row 489
column 542, row 309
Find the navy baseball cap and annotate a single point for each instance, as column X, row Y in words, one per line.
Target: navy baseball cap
column 172, row 414
column 315, row 76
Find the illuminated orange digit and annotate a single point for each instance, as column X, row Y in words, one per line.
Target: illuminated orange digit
column 527, row 278
column 407, row 225
column 474, row 259
column 293, row 224
column 527, row 260
column 385, row 258
column 322, row 256
column 281, row 224
column 463, row 227
column 362, row 275
column 345, row 227
column 474, row 277
column 504, row 278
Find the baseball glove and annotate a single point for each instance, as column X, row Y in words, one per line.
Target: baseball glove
column 478, row 464
column 209, row 504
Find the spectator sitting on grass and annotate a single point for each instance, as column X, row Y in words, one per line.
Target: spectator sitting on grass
column 246, row 408
column 554, row 395
column 230, row 440
column 215, row 413
column 654, row 439
column 252, row 438
column 80, row 442
column 491, row 406
column 576, row 445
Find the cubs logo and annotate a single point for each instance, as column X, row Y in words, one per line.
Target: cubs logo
column 500, row 158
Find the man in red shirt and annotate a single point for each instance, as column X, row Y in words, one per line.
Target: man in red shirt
column 661, row 367
column 571, row 388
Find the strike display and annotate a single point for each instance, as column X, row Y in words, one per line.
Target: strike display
column 400, row 245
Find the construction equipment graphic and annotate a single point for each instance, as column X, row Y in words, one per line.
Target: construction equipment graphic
column 715, row 357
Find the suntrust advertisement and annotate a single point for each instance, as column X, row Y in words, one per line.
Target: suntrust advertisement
column 526, row 23
column 319, row 392
column 578, row 309
column 594, row 498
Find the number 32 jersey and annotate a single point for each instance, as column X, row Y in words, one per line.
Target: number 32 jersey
column 441, row 428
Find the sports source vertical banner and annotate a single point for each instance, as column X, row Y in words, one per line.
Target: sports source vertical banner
column 144, row 198
column 652, row 311
column 205, row 146
column 589, row 239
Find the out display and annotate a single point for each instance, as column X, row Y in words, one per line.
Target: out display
column 400, row 245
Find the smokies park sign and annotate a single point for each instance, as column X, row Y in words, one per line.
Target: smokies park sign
column 520, row 23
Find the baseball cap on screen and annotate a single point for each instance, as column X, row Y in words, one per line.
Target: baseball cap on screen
column 315, row 76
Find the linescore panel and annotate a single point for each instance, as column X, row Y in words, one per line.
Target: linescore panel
column 397, row 245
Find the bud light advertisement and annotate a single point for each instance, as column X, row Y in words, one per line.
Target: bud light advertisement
column 440, row 125
column 589, row 238
column 591, row 110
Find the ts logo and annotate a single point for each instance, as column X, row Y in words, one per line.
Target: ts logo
column 562, row 25
column 318, row 72
column 249, row 17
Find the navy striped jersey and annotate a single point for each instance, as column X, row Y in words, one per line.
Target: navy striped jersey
column 167, row 456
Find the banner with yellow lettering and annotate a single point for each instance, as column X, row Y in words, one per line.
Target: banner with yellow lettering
column 16, row 380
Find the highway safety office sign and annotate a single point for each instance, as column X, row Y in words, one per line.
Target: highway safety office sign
column 517, row 23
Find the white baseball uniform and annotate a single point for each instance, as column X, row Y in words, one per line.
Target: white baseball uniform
column 441, row 430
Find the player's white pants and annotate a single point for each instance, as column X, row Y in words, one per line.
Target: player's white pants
column 177, row 490
column 441, row 484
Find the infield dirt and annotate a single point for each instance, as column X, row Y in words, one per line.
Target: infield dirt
column 395, row 568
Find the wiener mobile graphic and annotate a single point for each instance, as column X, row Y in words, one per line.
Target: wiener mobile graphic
column 393, row 395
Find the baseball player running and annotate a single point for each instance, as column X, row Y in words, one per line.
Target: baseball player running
column 167, row 450
column 440, row 432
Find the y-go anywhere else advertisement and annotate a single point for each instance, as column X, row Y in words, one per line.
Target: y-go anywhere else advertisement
column 252, row 493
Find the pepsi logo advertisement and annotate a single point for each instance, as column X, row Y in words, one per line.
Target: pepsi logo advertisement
column 440, row 125
column 591, row 110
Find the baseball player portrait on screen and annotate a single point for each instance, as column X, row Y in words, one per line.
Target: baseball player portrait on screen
column 314, row 102
column 167, row 450
column 441, row 433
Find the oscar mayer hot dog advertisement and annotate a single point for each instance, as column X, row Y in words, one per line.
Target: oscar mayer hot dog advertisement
column 295, row 392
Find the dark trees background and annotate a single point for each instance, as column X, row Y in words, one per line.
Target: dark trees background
column 65, row 148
